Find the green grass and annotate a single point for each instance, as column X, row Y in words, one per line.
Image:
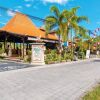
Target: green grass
column 93, row 95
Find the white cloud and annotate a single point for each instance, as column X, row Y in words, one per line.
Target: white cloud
column 10, row 13
column 17, row 10
column 28, row 5
column 56, row 1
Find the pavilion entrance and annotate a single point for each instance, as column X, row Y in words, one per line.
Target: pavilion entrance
column 14, row 46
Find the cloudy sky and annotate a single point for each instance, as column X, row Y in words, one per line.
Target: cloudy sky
column 41, row 8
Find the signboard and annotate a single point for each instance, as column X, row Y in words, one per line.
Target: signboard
column 45, row 40
column 38, row 54
column 66, row 44
column 88, row 54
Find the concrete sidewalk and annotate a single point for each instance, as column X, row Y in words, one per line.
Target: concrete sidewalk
column 53, row 82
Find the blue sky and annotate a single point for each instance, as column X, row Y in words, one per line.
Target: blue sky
column 40, row 8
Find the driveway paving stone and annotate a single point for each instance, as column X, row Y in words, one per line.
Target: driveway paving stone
column 59, row 82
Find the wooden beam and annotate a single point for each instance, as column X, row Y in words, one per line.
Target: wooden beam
column 5, row 42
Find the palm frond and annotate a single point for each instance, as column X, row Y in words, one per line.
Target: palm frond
column 50, row 23
column 82, row 18
column 74, row 10
column 51, row 19
column 66, row 13
column 83, row 32
column 55, row 10
column 74, row 25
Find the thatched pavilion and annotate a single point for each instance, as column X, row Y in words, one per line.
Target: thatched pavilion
column 20, row 29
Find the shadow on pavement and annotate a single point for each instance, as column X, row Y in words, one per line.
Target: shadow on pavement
column 7, row 66
column 96, row 60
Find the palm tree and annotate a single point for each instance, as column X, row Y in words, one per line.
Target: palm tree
column 55, row 22
column 72, row 21
column 63, row 22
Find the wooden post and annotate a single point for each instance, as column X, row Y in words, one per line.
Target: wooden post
column 4, row 46
column 27, row 45
column 20, row 49
column 5, row 43
column 23, row 47
column 14, row 45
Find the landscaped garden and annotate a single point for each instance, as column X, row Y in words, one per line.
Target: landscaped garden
column 66, row 23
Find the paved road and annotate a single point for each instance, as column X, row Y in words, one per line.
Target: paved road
column 58, row 82
column 11, row 65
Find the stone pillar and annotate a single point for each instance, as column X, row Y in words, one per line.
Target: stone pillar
column 38, row 54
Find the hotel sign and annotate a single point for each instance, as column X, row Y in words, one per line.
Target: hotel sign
column 38, row 53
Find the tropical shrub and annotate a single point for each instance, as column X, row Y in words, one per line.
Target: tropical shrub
column 53, row 56
column 1, row 51
column 81, row 55
column 28, row 56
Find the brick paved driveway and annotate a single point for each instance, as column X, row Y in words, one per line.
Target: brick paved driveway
column 59, row 82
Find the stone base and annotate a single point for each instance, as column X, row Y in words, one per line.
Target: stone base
column 37, row 63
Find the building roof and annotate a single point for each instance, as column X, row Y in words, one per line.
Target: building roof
column 22, row 25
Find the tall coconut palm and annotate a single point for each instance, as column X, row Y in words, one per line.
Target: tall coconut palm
column 73, row 20
column 55, row 22
column 63, row 22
